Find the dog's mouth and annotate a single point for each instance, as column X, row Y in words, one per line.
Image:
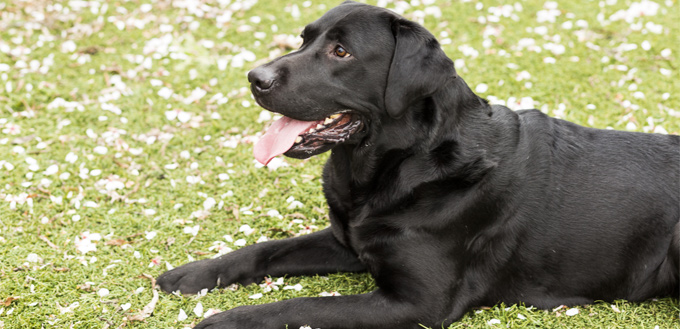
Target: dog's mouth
column 303, row 139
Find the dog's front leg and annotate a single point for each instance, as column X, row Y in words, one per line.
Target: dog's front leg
column 316, row 253
column 374, row 310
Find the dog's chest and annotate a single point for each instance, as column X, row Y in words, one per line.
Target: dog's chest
column 360, row 207
column 349, row 218
column 357, row 226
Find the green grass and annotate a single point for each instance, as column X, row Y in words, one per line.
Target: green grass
column 47, row 285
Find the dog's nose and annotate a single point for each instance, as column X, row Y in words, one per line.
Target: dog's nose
column 262, row 78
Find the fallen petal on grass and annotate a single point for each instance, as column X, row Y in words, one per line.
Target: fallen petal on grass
column 147, row 311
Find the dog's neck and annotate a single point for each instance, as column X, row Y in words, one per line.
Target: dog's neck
column 436, row 128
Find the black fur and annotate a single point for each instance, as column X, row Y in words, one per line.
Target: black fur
column 451, row 203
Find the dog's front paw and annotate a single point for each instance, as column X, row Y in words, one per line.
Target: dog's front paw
column 190, row 278
column 237, row 318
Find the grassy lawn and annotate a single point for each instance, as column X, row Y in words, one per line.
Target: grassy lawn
column 126, row 131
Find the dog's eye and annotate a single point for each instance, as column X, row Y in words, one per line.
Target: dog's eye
column 341, row 52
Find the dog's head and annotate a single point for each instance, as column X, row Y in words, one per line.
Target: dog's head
column 357, row 65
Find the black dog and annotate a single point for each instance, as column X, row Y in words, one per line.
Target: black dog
column 447, row 201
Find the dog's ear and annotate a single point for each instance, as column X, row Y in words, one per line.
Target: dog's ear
column 419, row 67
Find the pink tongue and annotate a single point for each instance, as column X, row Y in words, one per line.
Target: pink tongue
column 279, row 138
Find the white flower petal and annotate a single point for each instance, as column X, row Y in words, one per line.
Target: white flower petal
column 103, row 292
column 182, row 315
column 101, row 150
column 572, row 312
column 198, row 310
column 481, row 88
column 165, row 92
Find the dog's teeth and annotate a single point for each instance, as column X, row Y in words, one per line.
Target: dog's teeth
column 312, row 130
column 298, row 140
column 327, row 121
column 335, row 116
column 319, row 126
